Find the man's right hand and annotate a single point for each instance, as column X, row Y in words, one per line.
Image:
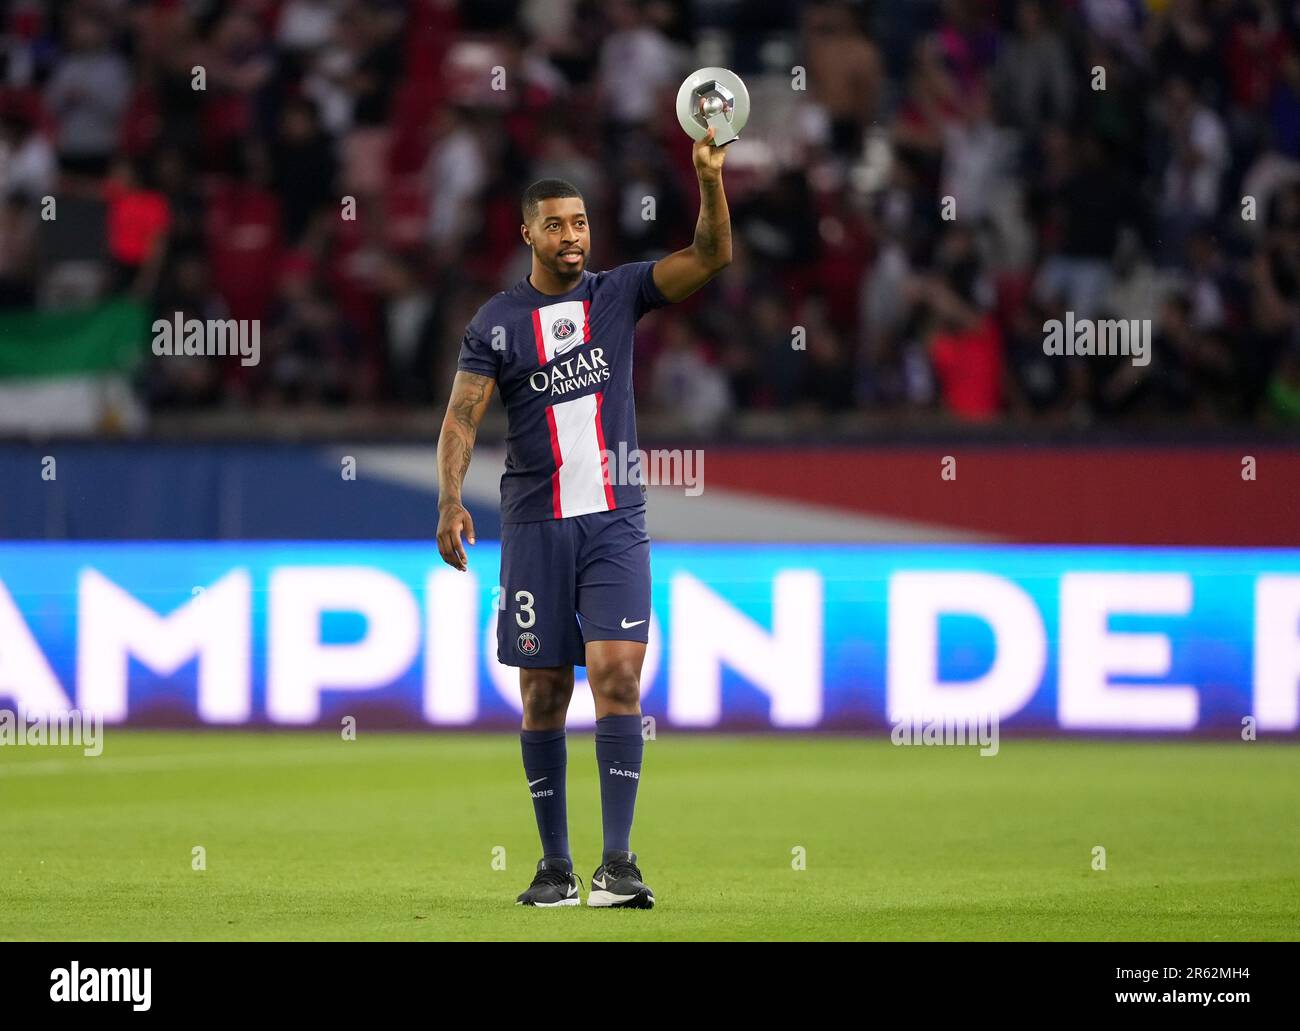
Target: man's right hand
column 453, row 520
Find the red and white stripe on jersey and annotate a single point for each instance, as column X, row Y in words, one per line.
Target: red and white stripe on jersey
column 548, row 318
column 580, row 483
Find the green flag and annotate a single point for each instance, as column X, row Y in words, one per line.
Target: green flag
column 106, row 339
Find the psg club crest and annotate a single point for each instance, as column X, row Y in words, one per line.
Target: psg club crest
column 562, row 329
column 528, row 642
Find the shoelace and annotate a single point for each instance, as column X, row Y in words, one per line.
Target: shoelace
column 621, row 868
column 559, row 878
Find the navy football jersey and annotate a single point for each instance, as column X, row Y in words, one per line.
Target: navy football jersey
column 563, row 366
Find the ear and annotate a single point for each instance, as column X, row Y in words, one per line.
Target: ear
column 523, row 231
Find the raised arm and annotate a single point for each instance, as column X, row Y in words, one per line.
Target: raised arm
column 683, row 272
column 470, row 394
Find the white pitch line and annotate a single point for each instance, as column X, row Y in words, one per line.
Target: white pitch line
column 145, row 763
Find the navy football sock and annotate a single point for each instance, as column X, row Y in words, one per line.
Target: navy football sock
column 618, row 755
column 545, row 762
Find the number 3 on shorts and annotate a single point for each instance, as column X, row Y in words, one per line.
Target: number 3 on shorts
column 525, row 602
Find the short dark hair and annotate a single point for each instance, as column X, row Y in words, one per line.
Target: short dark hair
column 544, row 189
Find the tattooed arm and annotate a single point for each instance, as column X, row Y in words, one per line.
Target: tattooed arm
column 683, row 272
column 470, row 394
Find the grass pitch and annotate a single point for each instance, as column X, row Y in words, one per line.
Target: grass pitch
column 392, row 836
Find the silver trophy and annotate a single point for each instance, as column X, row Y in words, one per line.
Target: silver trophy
column 713, row 98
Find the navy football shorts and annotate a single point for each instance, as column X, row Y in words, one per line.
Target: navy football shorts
column 569, row 581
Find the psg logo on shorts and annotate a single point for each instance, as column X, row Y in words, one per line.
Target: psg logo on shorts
column 562, row 329
column 528, row 643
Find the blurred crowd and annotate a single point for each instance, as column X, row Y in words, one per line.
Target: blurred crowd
column 923, row 185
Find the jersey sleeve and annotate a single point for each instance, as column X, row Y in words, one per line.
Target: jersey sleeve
column 477, row 354
column 641, row 284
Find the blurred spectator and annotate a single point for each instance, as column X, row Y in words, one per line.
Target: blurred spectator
column 304, row 169
column 88, row 94
column 1284, row 106
column 1198, row 147
column 1183, row 44
column 637, row 62
column 1038, row 385
column 780, row 224
column 845, row 75
column 1034, row 74
column 244, row 235
column 27, row 163
column 183, row 381
column 309, row 350
column 827, row 376
column 410, row 332
column 138, row 219
column 932, row 101
column 306, row 25
column 776, row 367
column 560, row 155
column 456, row 174
column 644, row 233
column 1284, row 388
column 18, row 221
column 1189, row 370
column 966, row 348
column 977, row 157
column 1083, row 203
column 687, row 384
column 372, row 42
column 1117, row 25
column 1275, row 297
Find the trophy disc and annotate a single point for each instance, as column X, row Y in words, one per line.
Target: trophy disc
column 713, row 97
